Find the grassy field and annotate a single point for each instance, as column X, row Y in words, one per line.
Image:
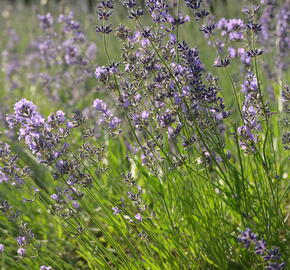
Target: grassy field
column 163, row 144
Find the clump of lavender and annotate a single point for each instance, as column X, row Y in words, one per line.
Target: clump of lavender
column 9, row 169
column 48, row 139
column 24, row 239
column 251, row 110
column 162, row 87
column 233, row 29
column 134, row 209
column 25, row 236
column 113, row 122
column 36, row 131
column 11, row 62
column 271, row 256
column 61, row 61
column 230, row 40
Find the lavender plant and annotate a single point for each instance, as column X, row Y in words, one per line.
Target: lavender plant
column 180, row 151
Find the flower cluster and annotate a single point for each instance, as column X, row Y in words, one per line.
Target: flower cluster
column 135, row 205
column 251, row 110
column 104, row 11
column 44, row 267
column 25, row 238
column 231, row 42
column 233, row 28
column 271, row 256
column 60, row 60
column 40, row 135
column 162, row 93
column 108, row 118
column 9, row 169
column 158, row 118
column 25, row 235
column 11, row 62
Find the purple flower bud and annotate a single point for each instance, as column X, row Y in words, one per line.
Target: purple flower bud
column 21, row 240
column 100, row 105
column 46, row 21
column 75, row 204
column 232, row 52
column 114, row 122
column 69, row 124
column 54, row 197
column 173, row 38
column 21, row 252
column 260, row 247
column 43, row 267
column 144, row 115
column 100, row 71
column 247, row 238
column 138, row 217
column 3, row 176
column 116, row 210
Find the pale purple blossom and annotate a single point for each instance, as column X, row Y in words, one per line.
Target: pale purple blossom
column 54, row 196
column 116, row 210
column 43, row 267
column 100, row 72
column 138, row 217
column 21, row 252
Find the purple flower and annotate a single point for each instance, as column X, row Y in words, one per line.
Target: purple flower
column 158, row 10
column 144, row 115
column 173, row 38
column 247, row 237
column 236, row 36
column 282, row 33
column 273, row 254
column 75, row 204
column 114, row 122
column 54, row 197
column 56, row 118
column 21, row 252
column 100, row 106
column 193, row 4
column 232, row 52
column 116, row 210
column 24, row 109
column 1, row 248
column 260, row 247
column 275, row 266
column 3, row 176
column 69, row 124
column 21, row 240
column 43, row 267
column 100, row 72
column 138, row 217
column 46, row 21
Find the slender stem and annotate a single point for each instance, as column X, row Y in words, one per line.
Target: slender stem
column 229, row 76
